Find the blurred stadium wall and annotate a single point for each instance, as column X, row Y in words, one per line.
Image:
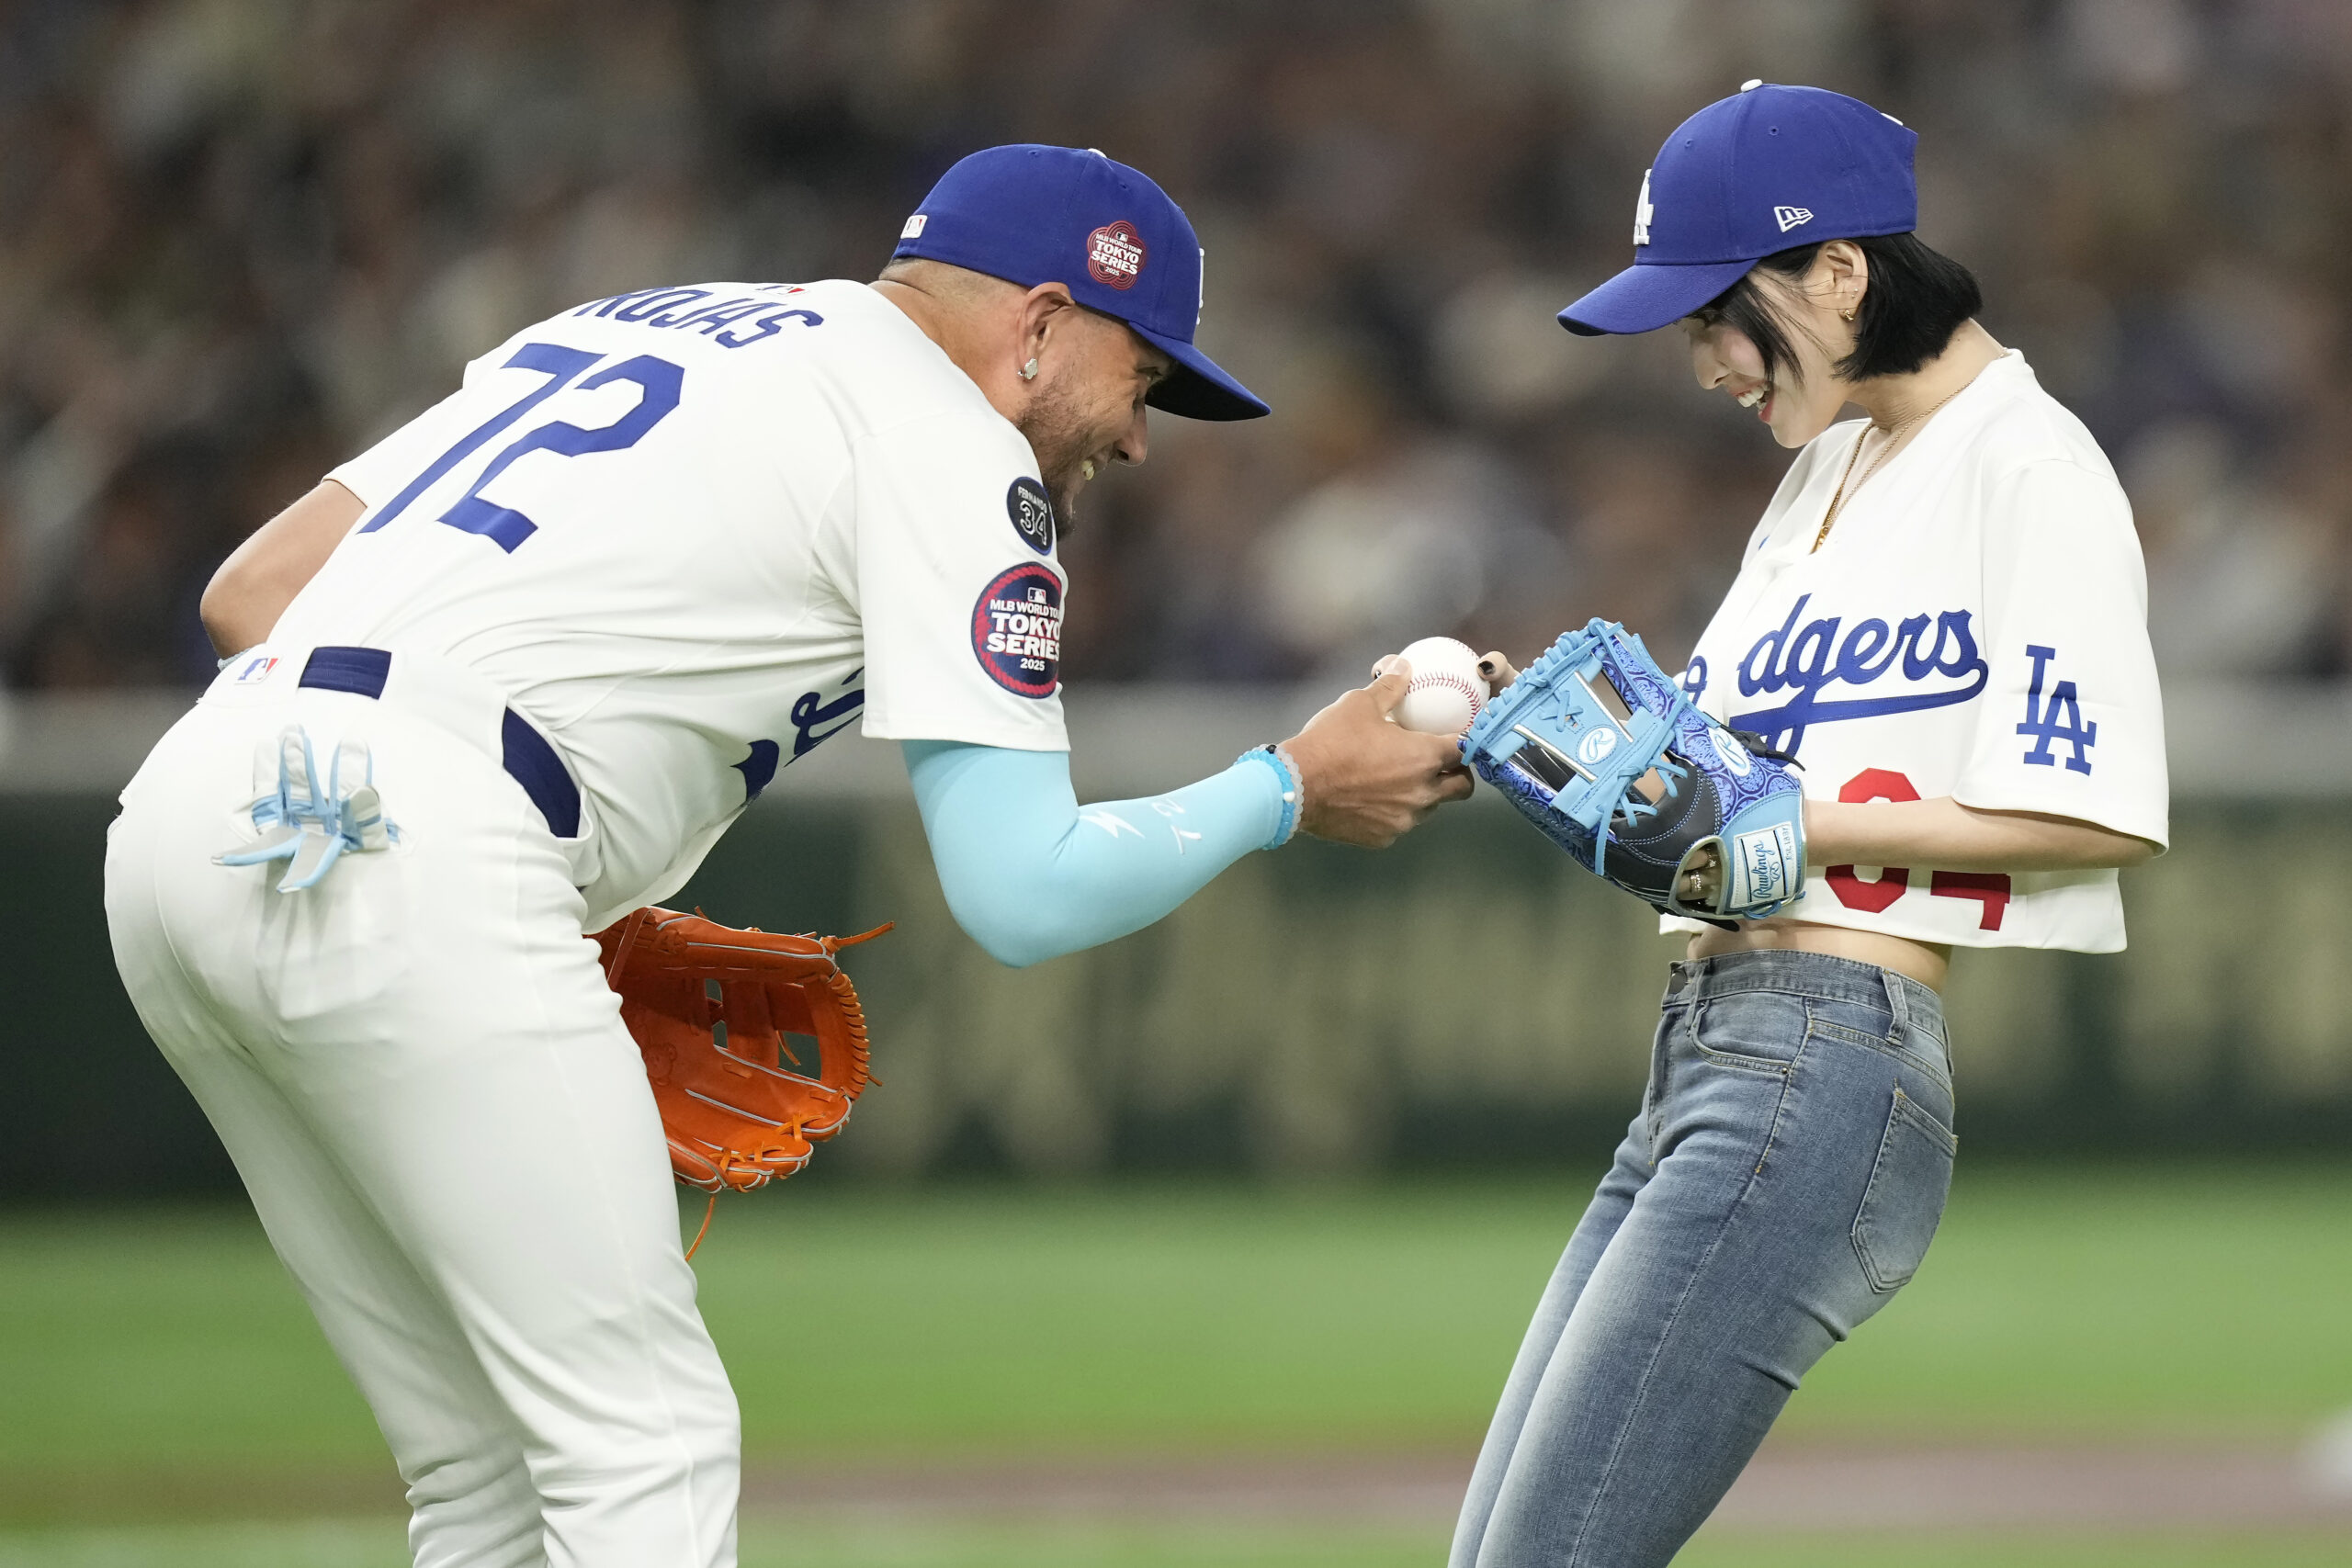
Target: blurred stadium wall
column 240, row 239
column 1465, row 999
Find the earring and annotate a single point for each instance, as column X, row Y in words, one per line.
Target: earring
column 1846, row 315
column 1029, row 371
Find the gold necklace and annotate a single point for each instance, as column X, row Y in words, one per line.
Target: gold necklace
column 1894, row 435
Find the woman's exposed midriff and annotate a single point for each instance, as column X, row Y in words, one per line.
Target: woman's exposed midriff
column 1925, row 961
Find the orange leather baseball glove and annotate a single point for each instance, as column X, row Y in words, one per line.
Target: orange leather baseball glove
column 753, row 1041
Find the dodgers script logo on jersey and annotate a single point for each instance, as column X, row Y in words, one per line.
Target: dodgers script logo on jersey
column 817, row 717
column 1935, row 654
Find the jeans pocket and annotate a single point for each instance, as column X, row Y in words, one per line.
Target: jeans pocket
column 1905, row 1200
column 1756, row 1031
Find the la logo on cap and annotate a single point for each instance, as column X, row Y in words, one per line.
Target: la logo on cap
column 1115, row 254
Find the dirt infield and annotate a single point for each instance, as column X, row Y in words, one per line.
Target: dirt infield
column 1793, row 1486
column 1790, row 1486
column 1831, row 1488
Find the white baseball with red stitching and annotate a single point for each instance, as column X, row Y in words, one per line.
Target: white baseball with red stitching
column 1446, row 692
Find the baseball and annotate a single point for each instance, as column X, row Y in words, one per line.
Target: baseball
column 1446, row 692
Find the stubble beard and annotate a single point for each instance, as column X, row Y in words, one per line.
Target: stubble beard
column 1058, row 436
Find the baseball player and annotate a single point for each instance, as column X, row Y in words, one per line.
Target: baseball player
column 510, row 672
column 1941, row 618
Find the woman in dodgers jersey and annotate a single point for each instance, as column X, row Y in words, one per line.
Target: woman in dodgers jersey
column 556, row 633
column 1942, row 618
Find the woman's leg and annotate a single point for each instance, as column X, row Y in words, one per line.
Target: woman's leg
column 1800, row 1113
column 1611, row 1202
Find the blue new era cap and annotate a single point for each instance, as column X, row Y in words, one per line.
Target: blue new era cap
column 1767, row 170
column 1031, row 214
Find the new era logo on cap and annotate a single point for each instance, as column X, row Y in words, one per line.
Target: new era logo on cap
column 1788, row 218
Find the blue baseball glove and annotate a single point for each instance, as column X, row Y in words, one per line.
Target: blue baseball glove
column 1602, row 751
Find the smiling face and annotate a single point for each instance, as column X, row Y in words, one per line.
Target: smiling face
column 1070, row 379
column 1800, row 396
column 1086, row 407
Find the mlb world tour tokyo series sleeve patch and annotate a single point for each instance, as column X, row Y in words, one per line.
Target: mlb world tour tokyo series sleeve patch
column 1017, row 630
column 1604, row 752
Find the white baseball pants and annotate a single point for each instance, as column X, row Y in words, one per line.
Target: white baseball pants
column 426, row 1085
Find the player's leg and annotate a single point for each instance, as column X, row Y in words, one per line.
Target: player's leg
column 494, row 1112
column 1610, row 1204
column 1802, row 1165
column 434, row 1017
column 470, row 1494
column 523, row 1168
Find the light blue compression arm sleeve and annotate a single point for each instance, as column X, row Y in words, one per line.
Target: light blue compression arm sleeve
column 1033, row 876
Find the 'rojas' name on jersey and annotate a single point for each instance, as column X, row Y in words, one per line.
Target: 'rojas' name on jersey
column 683, row 309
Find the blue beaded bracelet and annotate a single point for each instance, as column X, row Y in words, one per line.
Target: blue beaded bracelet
column 1294, row 787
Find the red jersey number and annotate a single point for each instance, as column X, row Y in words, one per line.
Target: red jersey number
column 1990, row 889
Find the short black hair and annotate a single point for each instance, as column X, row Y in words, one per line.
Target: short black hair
column 1917, row 298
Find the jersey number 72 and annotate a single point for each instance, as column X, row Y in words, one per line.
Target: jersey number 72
column 658, row 380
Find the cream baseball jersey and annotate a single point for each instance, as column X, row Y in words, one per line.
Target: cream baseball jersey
column 691, row 532
column 1974, row 626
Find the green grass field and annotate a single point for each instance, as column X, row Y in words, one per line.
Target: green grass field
column 156, row 1368
column 377, row 1544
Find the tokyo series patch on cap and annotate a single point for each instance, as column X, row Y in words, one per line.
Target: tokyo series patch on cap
column 1032, row 214
column 1115, row 254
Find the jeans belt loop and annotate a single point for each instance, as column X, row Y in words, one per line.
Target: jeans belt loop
column 1898, row 1006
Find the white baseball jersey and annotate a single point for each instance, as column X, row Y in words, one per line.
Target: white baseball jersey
column 689, row 532
column 1975, row 626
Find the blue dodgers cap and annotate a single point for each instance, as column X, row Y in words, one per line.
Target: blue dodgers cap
column 1766, row 169
column 1031, row 214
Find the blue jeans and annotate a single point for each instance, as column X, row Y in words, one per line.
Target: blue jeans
column 1782, row 1183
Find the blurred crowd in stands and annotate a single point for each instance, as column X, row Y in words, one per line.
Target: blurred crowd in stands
column 240, row 239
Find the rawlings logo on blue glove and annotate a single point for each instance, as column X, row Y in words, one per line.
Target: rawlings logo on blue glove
column 1603, row 751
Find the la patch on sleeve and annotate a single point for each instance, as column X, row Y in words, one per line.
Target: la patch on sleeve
column 1032, row 515
column 1017, row 630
